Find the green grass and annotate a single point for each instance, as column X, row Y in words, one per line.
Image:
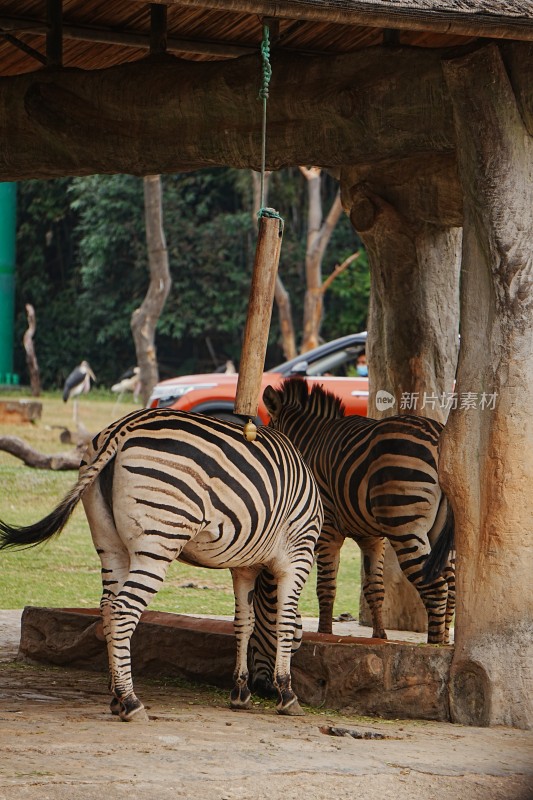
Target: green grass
column 65, row 572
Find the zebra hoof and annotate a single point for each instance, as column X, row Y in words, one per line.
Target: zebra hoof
column 132, row 710
column 292, row 709
column 240, row 698
column 114, row 706
column 238, row 706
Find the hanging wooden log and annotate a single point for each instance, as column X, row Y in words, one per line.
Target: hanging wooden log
column 259, row 313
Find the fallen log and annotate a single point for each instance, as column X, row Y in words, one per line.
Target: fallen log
column 33, row 458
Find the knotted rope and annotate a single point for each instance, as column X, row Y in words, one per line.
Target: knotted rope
column 263, row 95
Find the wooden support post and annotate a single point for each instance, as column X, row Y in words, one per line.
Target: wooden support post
column 54, row 35
column 486, row 464
column 259, row 313
column 158, row 29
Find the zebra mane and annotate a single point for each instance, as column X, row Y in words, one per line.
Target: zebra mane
column 316, row 400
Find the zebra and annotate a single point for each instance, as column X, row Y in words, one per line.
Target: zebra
column 378, row 480
column 159, row 485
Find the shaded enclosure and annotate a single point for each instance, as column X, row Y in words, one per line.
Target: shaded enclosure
column 424, row 111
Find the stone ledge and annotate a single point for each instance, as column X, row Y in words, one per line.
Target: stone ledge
column 363, row 676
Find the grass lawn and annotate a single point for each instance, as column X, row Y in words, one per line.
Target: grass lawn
column 65, row 572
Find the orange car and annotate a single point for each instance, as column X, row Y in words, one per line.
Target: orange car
column 331, row 365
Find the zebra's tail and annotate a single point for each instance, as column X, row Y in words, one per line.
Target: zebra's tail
column 30, row 535
column 440, row 552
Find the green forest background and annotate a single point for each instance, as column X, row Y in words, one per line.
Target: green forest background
column 82, row 264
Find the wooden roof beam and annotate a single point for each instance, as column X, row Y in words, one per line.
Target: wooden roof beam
column 10, row 25
column 479, row 21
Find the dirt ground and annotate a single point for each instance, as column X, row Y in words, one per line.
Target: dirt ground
column 58, row 740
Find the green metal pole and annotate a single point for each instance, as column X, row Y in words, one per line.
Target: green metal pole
column 8, row 219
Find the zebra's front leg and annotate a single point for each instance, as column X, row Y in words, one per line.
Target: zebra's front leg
column 243, row 587
column 327, row 550
column 373, row 550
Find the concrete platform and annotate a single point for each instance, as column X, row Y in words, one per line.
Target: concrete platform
column 392, row 679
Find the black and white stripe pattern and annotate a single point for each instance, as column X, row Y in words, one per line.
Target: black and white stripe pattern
column 161, row 485
column 378, row 480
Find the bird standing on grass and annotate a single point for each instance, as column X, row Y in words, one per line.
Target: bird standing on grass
column 130, row 381
column 78, row 382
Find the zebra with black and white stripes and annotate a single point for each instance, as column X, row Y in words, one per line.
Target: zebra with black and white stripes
column 160, row 485
column 378, row 480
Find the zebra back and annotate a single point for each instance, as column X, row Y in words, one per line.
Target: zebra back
column 378, row 474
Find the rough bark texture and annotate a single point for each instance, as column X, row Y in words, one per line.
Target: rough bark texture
column 144, row 319
column 487, row 462
column 413, row 328
column 163, row 115
column 376, row 105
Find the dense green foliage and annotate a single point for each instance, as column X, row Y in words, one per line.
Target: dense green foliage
column 81, row 262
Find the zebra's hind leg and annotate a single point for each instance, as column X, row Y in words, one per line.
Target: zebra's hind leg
column 243, row 587
column 412, row 552
column 263, row 641
column 115, row 570
column 146, row 574
column 449, row 574
column 373, row 550
column 289, row 588
column 328, row 551
column 114, row 559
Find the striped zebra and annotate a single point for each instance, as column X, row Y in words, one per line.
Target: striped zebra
column 378, row 480
column 160, row 485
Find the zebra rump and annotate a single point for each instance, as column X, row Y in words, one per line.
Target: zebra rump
column 160, row 485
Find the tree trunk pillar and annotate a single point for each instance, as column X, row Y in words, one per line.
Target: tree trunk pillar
column 412, row 342
column 144, row 319
column 487, row 456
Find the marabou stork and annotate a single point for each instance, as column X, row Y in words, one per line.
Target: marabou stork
column 78, row 382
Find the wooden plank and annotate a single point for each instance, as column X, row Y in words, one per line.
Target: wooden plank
column 470, row 18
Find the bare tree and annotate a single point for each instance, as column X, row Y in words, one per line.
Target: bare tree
column 319, row 233
column 31, row 358
column 144, row 319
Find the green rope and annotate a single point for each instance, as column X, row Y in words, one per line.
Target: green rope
column 263, row 95
column 267, row 69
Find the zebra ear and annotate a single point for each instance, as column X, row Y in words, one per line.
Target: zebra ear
column 272, row 401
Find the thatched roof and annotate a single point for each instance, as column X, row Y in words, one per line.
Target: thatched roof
column 99, row 33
